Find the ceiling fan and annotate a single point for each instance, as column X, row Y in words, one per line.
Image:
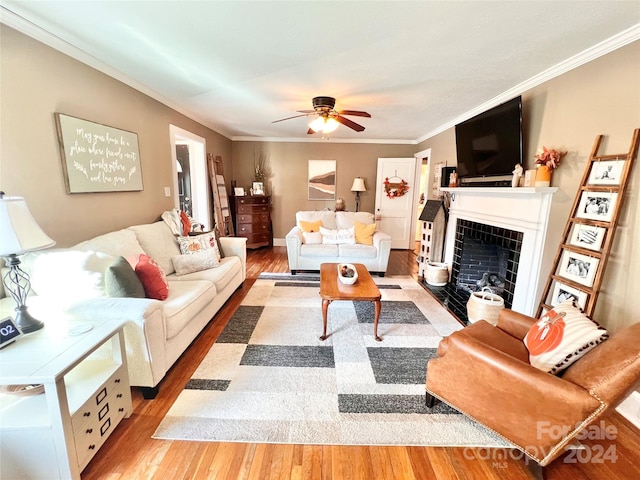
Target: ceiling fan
column 328, row 119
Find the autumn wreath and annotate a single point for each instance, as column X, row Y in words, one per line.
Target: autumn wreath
column 395, row 189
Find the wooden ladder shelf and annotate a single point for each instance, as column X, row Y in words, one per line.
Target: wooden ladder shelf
column 581, row 259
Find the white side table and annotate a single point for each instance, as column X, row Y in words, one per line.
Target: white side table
column 55, row 434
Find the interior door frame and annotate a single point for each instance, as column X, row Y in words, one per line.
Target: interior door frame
column 200, row 197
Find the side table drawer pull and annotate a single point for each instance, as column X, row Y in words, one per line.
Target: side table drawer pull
column 105, row 427
column 103, row 412
column 89, row 431
column 86, row 414
column 92, row 447
column 101, row 395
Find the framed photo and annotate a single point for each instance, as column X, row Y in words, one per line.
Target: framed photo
column 579, row 268
column 606, row 173
column 321, row 183
column 258, row 188
column 597, row 205
column 587, row 236
column 562, row 293
column 238, row 191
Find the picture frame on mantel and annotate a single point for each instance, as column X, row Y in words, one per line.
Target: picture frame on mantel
column 97, row 158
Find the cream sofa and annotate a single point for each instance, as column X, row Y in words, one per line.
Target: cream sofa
column 157, row 332
column 304, row 256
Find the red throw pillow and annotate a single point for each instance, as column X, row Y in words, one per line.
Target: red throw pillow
column 152, row 277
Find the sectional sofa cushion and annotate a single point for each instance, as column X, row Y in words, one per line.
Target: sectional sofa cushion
column 159, row 243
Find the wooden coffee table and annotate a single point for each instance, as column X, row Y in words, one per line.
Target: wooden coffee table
column 364, row 290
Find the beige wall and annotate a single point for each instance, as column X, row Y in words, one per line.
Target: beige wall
column 37, row 81
column 568, row 112
column 288, row 183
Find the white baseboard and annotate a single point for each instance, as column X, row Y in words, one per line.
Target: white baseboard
column 630, row 408
column 279, row 242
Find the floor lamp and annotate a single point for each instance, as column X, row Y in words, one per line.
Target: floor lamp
column 358, row 186
column 19, row 233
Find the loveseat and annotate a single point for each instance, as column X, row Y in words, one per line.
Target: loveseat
column 332, row 237
column 157, row 332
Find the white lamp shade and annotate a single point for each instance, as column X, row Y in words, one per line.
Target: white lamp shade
column 317, row 124
column 358, row 185
column 330, row 125
column 19, row 232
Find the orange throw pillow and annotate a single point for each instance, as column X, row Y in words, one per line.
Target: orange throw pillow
column 364, row 232
column 307, row 227
column 152, row 277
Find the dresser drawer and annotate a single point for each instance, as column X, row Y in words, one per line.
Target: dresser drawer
column 252, row 200
column 252, row 209
column 254, row 239
column 255, row 218
column 246, row 228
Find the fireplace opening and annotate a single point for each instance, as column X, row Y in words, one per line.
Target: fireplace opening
column 484, row 256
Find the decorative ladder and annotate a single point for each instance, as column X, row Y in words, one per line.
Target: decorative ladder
column 222, row 217
column 588, row 235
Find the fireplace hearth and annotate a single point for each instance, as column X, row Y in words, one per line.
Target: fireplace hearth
column 484, row 256
column 510, row 226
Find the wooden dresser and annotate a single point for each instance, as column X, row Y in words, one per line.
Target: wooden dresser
column 252, row 219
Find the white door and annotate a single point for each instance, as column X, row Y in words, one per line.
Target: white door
column 395, row 198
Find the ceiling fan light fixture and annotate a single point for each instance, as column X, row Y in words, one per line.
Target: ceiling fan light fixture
column 317, row 124
column 330, row 125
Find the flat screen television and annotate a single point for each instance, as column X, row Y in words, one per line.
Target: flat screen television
column 489, row 145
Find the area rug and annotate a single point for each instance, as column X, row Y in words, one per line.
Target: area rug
column 270, row 379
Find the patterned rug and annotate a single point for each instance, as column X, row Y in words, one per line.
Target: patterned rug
column 270, row 379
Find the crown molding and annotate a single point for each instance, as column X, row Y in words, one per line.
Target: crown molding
column 24, row 26
column 613, row 43
column 386, row 141
column 7, row 17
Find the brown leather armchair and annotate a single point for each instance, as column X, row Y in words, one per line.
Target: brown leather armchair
column 484, row 372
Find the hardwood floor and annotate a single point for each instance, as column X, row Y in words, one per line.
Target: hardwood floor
column 130, row 453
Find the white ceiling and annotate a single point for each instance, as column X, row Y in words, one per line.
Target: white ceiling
column 417, row 67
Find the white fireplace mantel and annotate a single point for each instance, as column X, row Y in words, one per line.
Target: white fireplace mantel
column 521, row 209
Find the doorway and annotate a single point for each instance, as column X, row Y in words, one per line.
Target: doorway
column 191, row 185
column 422, row 158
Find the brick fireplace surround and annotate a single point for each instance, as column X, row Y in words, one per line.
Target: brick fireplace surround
column 524, row 211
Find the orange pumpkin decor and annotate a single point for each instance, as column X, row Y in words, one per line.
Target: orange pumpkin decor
column 549, row 334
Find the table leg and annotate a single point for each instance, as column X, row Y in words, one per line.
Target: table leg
column 325, row 307
column 375, row 320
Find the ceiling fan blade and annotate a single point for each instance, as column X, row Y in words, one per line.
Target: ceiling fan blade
column 289, row 118
column 306, row 111
column 356, row 113
column 348, row 123
column 311, row 131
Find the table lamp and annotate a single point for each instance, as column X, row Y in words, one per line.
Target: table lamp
column 358, row 186
column 19, row 233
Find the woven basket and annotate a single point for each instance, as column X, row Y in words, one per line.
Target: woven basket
column 484, row 305
column 436, row 274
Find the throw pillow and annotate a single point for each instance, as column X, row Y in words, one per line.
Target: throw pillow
column 307, row 227
column 197, row 243
column 562, row 336
column 120, row 280
column 364, row 233
column 336, row 237
column 312, row 238
column 152, row 277
column 195, row 262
